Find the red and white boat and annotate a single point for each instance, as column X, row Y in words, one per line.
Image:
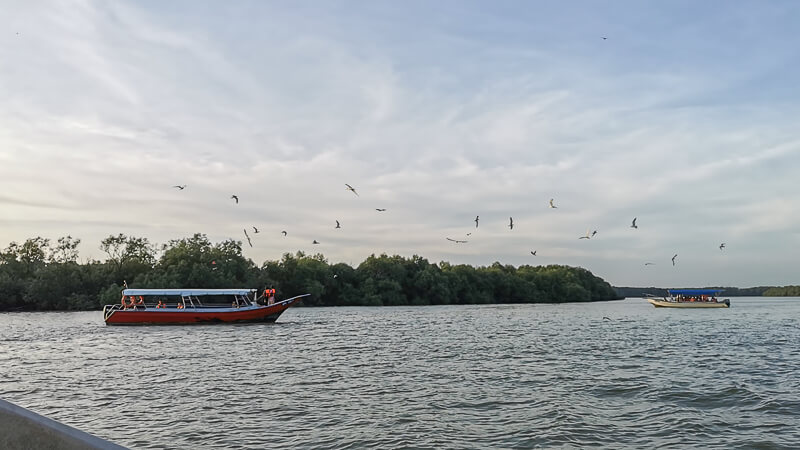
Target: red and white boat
column 195, row 306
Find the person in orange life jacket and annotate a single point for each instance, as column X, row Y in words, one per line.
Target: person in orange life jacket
column 271, row 296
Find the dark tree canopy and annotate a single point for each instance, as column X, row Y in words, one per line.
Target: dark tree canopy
column 40, row 275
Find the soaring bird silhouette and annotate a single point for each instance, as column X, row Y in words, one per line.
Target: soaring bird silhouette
column 255, row 230
column 552, row 205
column 181, row 187
column 534, row 252
column 649, row 264
column 235, row 197
column 337, row 224
column 380, row 209
column 633, row 224
column 456, row 241
column 586, row 236
column 673, row 258
column 284, row 232
column 469, row 234
column 593, row 233
column 721, row 246
column 510, row 223
column 351, row 188
column 477, row 218
column 315, row 242
column 248, row 237
column 603, row 37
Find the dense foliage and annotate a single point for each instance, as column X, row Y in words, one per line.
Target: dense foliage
column 40, row 275
column 785, row 291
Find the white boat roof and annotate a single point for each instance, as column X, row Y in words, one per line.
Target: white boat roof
column 185, row 292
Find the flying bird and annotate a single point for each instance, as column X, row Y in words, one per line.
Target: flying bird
column 534, row 252
column 380, row 209
column 469, row 234
column 337, row 224
column 248, row 237
column 510, row 223
column 351, row 188
column 477, row 218
column 649, row 264
column 586, row 236
column 593, row 233
column 255, row 230
column 456, row 241
column 673, row 259
column 721, row 246
column 552, row 205
column 284, row 232
column 315, row 242
column 603, row 37
column 182, row 187
column 235, row 197
column 633, row 224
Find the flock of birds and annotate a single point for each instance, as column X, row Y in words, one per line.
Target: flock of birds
column 589, row 233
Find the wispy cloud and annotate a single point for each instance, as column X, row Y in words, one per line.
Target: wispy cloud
column 437, row 112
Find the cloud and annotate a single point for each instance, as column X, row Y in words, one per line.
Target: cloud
column 436, row 112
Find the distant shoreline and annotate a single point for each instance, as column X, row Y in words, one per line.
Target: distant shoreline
column 757, row 291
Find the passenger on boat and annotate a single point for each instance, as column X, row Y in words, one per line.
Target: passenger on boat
column 180, row 305
column 160, row 305
column 132, row 303
column 271, row 295
column 235, row 303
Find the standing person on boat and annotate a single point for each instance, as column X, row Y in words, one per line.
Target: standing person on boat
column 271, row 295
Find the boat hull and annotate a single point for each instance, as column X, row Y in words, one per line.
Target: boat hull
column 667, row 304
column 201, row 315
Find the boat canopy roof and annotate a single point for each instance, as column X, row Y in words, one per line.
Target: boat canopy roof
column 695, row 291
column 186, row 292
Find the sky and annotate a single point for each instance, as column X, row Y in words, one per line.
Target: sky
column 682, row 114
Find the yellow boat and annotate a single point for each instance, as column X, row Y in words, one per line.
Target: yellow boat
column 691, row 298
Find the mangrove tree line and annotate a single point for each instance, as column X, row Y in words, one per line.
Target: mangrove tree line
column 42, row 275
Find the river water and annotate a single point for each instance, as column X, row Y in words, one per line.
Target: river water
column 495, row 376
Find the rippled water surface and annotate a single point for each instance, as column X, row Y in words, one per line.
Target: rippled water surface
column 499, row 376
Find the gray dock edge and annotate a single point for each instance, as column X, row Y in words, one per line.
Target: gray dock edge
column 23, row 429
